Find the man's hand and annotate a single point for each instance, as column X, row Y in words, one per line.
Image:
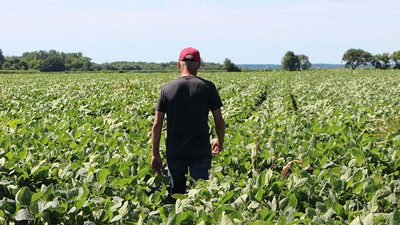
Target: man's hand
column 217, row 147
column 220, row 128
column 156, row 164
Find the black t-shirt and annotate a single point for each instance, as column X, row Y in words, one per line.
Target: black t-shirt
column 187, row 101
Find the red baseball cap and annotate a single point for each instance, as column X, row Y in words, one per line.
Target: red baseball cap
column 190, row 54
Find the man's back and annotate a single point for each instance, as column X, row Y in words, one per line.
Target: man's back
column 187, row 101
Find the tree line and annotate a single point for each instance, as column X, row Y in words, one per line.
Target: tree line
column 353, row 58
column 54, row 61
column 357, row 57
column 50, row 61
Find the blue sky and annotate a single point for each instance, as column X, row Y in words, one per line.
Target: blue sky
column 256, row 32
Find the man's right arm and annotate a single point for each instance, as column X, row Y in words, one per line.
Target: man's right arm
column 220, row 129
column 156, row 161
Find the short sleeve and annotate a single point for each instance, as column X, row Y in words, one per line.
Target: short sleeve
column 215, row 99
column 161, row 107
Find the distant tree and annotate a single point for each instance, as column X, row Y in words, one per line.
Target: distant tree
column 64, row 61
column 75, row 64
column 6, row 65
column 381, row 61
column 15, row 63
column 356, row 57
column 2, row 58
column 76, row 61
column 22, row 65
column 290, row 62
column 87, row 66
column 52, row 63
column 34, row 64
column 395, row 57
column 230, row 66
column 34, row 59
column 95, row 67
column 108, row 66
column 304, row 62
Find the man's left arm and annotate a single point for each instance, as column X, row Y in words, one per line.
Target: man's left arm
column 219, row 122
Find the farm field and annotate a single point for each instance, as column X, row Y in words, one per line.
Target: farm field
column 312, row 147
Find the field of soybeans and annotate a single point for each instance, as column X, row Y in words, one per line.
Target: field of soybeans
column 310, row 147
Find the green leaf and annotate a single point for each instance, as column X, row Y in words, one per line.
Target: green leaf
column 337, row 185
column 396, row 215
column 108, row 216
column 369, row 219
column 82, row 199
column 358, row 175
column 359, row 159
column 73, row 144
column 143, row 172
column 293, row 200
column 260, row 194
column 226, row 197
column 356, row 221
column 44, row 140
column 124, row 181
column 177, row 219
column 80, row 203
column 259, row 223
column 116, row 218
column 300, row 182
column 34, row 208
column 14, row 123
column 24, row 214
column 8, row 205
column 310, row 213
column 338, row 208
column 22, row 155
column 204, row 193
column 179, row 196
column 382, row 194
column 282, row 220
column 36, row 196
column 24, row 196
column 324, row 160
column 379, row 219
column 226, row 220
column 5, row 182
column 123, row 211
column 261, row 179
column 49, row 194
column 264, row 213
column 358, row 187
column 102, row 175
column 73, row 193
column 77, row 134
column 303, row 221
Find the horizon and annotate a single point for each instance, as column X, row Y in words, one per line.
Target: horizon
column 257, row 33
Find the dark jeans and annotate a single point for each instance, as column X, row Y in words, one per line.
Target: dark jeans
column 178, row 169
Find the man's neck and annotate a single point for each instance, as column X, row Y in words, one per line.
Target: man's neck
column 186, row 72
column 187, row 75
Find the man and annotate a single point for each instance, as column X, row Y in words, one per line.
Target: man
column 187, row 101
